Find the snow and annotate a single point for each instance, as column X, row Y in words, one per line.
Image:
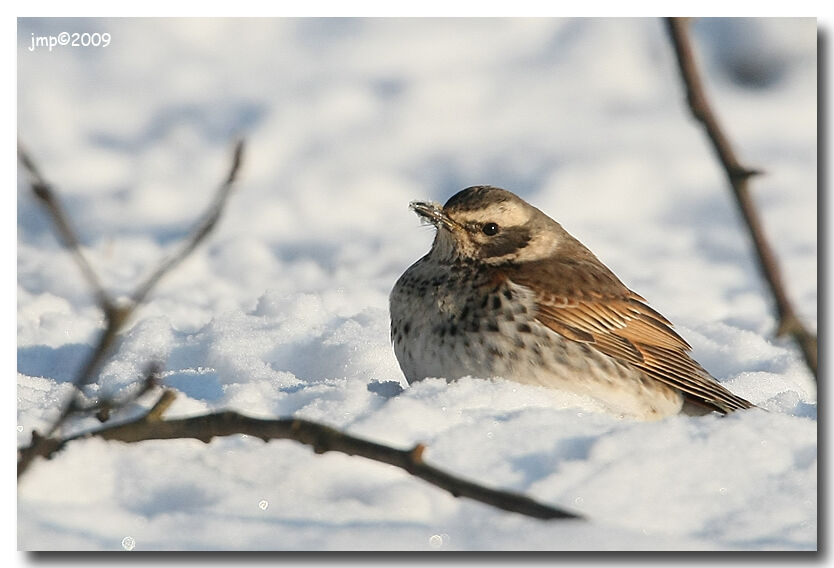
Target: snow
column 283, row 312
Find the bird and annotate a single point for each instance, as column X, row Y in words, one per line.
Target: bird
column 506, row 292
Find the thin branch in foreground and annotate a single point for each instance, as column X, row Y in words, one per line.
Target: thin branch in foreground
column 200, row 230
column 152, row 426
column 104, row 407
column 738, row 176
column 69, row 238
column 115, row 315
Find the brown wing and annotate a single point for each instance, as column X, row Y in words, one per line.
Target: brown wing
column 584, row 301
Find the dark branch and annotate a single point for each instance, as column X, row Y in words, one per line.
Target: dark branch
column 43, row 191
column 115, row 315
column 738, row 177
column 321, row 438
column 202, row 228
column 105, row 406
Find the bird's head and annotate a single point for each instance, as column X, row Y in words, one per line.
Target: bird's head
column 491, row 225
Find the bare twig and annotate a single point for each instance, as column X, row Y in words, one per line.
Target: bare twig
column 202, row 228
column 104, row 407
column 115, row 315
column 43, row 191
column 738, row 176
column 152, row 426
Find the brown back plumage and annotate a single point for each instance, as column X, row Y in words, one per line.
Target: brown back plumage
column 581, row 299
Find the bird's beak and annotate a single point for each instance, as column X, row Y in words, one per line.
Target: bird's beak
column 433, row 213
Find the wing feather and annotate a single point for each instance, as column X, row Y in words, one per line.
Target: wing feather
column 618, row 322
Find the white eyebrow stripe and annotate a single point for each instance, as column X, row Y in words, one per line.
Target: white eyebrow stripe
column 505, row 213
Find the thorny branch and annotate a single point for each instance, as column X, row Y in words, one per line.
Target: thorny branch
column 739, row 176
column 115, row 315
column 322, row 438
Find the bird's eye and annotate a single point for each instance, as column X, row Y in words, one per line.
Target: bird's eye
column 489, row 229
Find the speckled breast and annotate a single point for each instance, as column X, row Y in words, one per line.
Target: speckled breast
column 450, row 321
column 456, row 320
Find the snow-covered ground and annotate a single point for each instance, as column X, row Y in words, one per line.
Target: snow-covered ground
column 284, row 310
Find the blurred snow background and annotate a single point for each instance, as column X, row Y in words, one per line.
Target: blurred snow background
column 284, row 310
